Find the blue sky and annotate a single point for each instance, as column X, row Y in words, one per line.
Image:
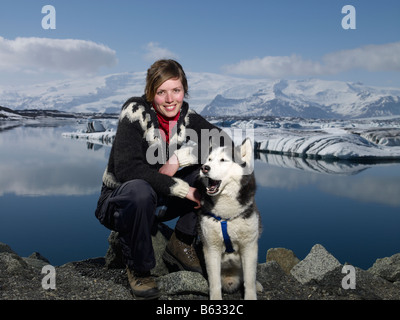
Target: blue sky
column 253, row 38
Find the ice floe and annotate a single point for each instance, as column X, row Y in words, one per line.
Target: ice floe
column 361, row 140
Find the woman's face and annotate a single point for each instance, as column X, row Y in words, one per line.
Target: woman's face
column 169, row 98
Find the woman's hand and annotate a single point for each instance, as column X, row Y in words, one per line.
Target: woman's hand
column 194, row 195
column 170, row 167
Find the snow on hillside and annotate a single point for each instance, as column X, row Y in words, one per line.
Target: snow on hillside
column 97, row 94
column 309, row 99
column 107, row 93
column 340, row 137
column 213, row 94
column 9, row 114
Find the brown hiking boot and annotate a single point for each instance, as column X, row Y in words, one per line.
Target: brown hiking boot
column 182, row 255
column 143, row 285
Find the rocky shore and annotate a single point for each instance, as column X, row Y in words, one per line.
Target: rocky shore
column 319, row 276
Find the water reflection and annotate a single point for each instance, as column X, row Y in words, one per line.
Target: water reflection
column 312, row 165
column 37, row 161
column 351, row 209
column 49, row 186
column 94, row 146
column 48, row 192
column 363, row 182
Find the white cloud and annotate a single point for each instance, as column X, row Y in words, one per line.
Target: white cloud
column 155, row 52
column 68, row 56
column 385, row 57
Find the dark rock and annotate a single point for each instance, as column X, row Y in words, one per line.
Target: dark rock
column 113, row 258
column 387, row 268
column 367, row 286
column 278, row 285
column 318, row 277
column 5, row 248
column 36, row 260
column 12, row 264
column 183, row 282
column 17, row 278
column 38, row 256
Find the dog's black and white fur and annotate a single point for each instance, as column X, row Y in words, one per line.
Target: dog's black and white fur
column 230, row 187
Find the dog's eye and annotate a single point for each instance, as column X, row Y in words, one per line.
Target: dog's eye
column 222, row 160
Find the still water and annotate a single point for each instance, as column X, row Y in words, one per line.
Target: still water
column 49, row 187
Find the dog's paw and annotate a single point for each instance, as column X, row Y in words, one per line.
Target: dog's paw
column 250, row 296
column 216, row 296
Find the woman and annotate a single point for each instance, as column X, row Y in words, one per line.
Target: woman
column 151, row 129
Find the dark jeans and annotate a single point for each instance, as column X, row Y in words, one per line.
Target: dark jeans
column 130, row 210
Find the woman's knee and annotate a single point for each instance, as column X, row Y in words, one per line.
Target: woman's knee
column 135, row 202
column 137, row 192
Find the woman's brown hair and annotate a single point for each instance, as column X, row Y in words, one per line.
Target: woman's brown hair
column 161, row 71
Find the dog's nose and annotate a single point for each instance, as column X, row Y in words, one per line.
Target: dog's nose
column 205, row 168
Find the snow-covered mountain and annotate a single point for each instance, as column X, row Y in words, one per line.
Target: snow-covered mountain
column 213, row 94
column 309, row 99
column 105, row 93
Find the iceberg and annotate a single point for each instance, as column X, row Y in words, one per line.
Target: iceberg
column 386, row 137
column 359, row 141
column 95, row 133
column 95, row 126
column 353, row 140
column 332, row 143
column 103, row 138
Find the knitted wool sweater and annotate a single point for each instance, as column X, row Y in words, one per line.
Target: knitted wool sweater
column 138, row 150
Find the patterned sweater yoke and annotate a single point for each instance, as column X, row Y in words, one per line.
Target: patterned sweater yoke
column 139, row 151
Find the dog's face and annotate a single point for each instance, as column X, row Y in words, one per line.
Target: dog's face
column 225, row 165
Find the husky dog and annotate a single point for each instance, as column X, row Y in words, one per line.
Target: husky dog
column 230, row 223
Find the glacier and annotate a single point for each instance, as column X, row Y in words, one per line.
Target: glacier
column 363, row 140
column 328, row 144
column 360, row 141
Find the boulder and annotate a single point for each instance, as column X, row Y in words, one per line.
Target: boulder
column 183, row 282
column 284, row 257
column 278, row 285
column 113, row 255
column 367, row 286
column 160, row 237
column 5, row 248
column 315, row 265
column 91, row 279
column 36, row 260
column 12, row 264
column 388, row 268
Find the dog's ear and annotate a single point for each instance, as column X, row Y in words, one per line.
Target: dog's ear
column 210, row 145
column 246, row 150
column 246, row 153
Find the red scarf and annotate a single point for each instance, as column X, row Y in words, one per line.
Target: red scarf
column 166, row 124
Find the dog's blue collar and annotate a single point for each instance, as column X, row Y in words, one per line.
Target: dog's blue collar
column 224, row 228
